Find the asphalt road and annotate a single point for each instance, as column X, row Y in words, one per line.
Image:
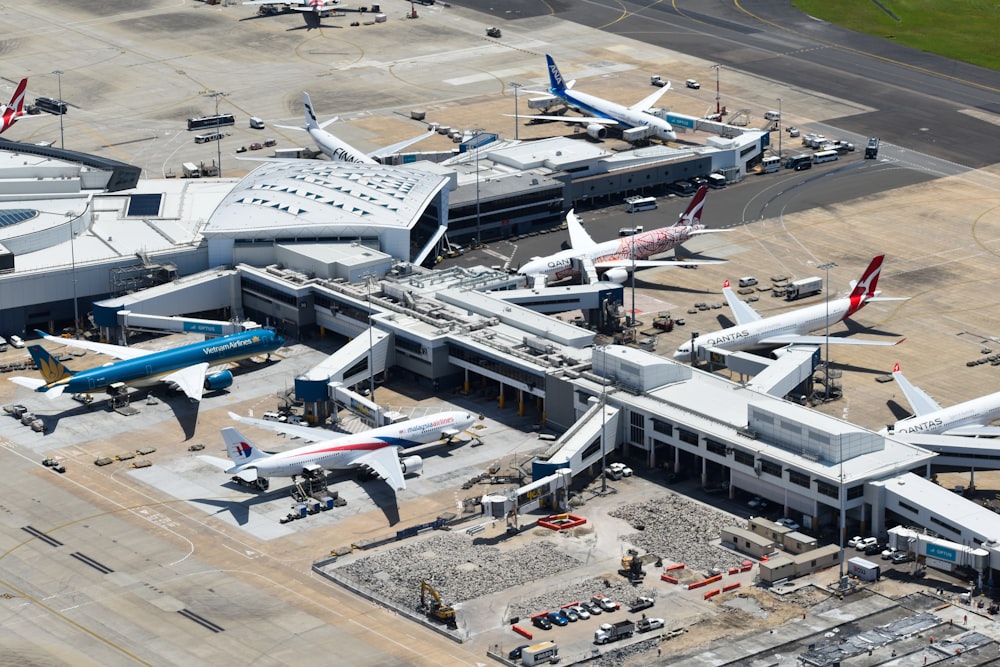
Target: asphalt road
column 919, row 100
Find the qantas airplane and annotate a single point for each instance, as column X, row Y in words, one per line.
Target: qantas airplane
column 971, row 418
column 14, row 110
column 377, row 450
column 753, row 332
column 613, row 260
column 603, row 112
column 338, row 150
column 184, row 367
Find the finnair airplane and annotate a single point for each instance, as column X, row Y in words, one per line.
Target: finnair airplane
column 339, row 150
column 14, row 110
column 971, row 418
column 752, row 332
column 613, row 260
column 185, row 367
column 603, row 112
column 377, row 450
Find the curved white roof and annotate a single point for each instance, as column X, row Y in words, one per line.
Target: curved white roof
column 321, row 198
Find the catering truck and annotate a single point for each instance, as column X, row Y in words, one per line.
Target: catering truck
column 804, row 287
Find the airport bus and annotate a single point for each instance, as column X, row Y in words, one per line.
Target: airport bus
column 635, row 204
column 820, row 157
column 211, row 121
column 57, row 107
column 770, row 164
column 799, row 162
column 205, row 138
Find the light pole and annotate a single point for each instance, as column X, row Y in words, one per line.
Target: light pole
column 718, row 105
column 604, row 420
column 369, row 277
column 479, row 234
column 517, row 123
column 58, row 73
column 72, row 255
column 218, row 125
column 826, row 267
column 632, row 318
column 779, row 127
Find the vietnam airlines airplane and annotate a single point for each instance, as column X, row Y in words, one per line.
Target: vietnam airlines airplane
column 971, row 418
column 338, row 150
column 613, row 260
column 752, row 332
column 377, row 450
column 603, row 112
column 185, row 367
column 14, row 110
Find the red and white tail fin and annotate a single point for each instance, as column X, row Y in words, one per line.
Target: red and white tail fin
column 15, row 109
column 692, row 215
column 866, row 286
column 725, row 285
column 895, row 369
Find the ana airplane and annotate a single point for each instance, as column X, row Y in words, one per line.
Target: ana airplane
column 377, row 450
column 613, row 260
column 603, row 112
column 971, row 418
column 185, row 367
column 337, row 149
column 753, row 332
column 14, row 110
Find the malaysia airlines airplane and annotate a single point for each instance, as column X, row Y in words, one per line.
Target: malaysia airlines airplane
column 14, row 110
column 752, row 332
column 185, row 367
column 971, row 418
column 377, row 450
column 603, row 112
column 613, row 260
column 339, row 150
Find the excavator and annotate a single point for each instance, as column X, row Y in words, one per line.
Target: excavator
column 436, row 608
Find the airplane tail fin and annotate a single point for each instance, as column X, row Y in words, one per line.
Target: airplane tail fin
column 692, row 215
column 579, row 239
column 52, row 370
column 17, row 99
column 556, row 81
column 307, row 107
column 865, row 288
column 240, row 449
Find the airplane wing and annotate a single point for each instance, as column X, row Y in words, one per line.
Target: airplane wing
column 793, row 339
column 741, row 310
column 304, row 432
column 648, row 263
column 384, row 462
column 190, row 380
column 291, row 127
column 919, row 400
column 973, row 430
column 579, row 239
column 395, row 148
column 576, row 119
column 30, row 383
column 650, row 100
column 116, row 351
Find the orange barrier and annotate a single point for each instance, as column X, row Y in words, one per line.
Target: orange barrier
column 670, row 568
column 704, row 582
column 746, row 567
column 729, row 587
column 710, row 580
column 667, row 578
column 570, row 604
column 561, row 521
column 712, row 593
column 521, row 631
column 734, row 570
column 697, row 584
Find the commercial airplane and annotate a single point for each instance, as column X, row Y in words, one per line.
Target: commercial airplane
column 377, row 450
column 612, row 260
column 312, row 10
column 603, row 112
column 14, row 110
column 753, row 332
column 971, row 418
column 337, row 149
column 185, row 367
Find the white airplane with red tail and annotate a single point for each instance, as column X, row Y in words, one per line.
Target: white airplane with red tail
column 14, row 110
column 753, row 332
column 971, row 418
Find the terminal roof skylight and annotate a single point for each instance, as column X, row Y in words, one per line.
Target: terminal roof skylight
column 13, row 216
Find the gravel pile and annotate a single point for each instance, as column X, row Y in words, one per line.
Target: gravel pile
column 680, row 530
column 456, row 567
column 621, row 656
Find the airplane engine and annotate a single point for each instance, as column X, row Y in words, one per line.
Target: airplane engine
column 617, row 275
column 597, row 131
column 412, row 465
column 219, row 380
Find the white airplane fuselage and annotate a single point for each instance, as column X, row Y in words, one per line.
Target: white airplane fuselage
column 982, row 410
column 335, row 149
column 600, row 107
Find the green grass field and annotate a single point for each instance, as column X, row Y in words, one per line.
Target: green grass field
column 961, row 29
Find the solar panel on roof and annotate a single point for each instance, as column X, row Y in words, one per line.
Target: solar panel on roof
column 144, row 205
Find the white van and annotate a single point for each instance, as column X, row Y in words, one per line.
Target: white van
column 274, row 417
column 748, row 281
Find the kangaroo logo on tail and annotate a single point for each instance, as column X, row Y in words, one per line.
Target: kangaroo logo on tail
column 864, row 289
column 15, row 109
column 692, row 215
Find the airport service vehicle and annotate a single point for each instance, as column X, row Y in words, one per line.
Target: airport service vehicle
column 376, row 451
column 610, row 632
column 605, row 603
column 971, row 418
column 716, row 181
column 770, row 164
column 16, row 341
column 636, row 204
column 863, row 569
column 622, row 469
column 798, row 289
column 539, row 653
column 337, row 149
column 788, row 523
column 799, row 162
column 820, row 157
column 640, row 604
column 753, row 332
column 208, row 122
column 691, row 83
column 613, row 260
column 185, row 367
column 604, row 113
column 871, row 150
column 647, row 624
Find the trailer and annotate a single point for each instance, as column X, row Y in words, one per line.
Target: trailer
column 798, row 289
column 863, row 569
column 539, row 653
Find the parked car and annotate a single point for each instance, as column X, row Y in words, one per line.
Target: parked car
column 542, row 622
column 901, row 557
column 865, row 543
column 558, row 618
column 594, row 609
column 581, row 611
column 873, row 549
column 515, row 654
column 622, row 469
column 757, row 503
column 16, row 341
column 788, row 523
column 682, row 188
column 570, row 614
column 605, row 603
column 853, row 542
column 647, row 624
column 888, row 554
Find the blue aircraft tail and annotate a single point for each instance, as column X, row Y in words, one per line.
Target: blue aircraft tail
column 556, row 81
column 52, row 369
